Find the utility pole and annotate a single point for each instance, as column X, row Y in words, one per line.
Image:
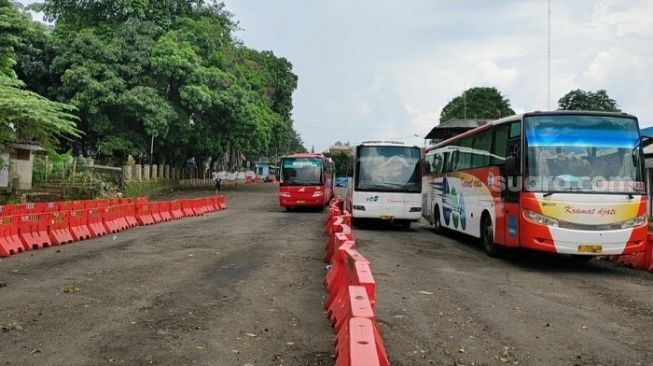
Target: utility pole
column 548, row 63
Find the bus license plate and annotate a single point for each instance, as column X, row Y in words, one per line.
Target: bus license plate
column 386, row 217
column 301, row 202
column 588, row 248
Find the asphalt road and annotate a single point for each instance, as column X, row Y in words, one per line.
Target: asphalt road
column 245, row 287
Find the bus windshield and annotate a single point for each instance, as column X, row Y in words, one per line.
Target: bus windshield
column 301, row 171
column 582, row 153
column 388, row 168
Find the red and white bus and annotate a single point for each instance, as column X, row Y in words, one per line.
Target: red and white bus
column 560, row 182
column 306, row 180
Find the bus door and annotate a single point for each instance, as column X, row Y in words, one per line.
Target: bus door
column 511, row 190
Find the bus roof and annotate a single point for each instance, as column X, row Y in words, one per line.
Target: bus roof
column 384, row 143
column 304, row 155
column 519, row 117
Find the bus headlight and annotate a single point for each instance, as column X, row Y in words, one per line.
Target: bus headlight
column 318, row 194
column 637, row 221
column 540, row 219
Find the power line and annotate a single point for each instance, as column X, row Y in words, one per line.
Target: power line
column 361, row 129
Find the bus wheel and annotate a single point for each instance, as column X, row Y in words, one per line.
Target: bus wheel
column 487, row 236
column 288, row 209
column 437, row 224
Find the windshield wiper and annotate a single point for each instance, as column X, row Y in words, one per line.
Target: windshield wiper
column 548, row 194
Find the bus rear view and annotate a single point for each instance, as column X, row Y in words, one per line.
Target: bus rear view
column 306, row 181
column 386, row 183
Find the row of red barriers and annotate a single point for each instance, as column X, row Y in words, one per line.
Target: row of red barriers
column 641, row 261
column 33, row 226
column 352, row 295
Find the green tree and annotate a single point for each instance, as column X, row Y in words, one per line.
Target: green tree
column 25, row 115
column 340, row 159
column 581, row 100
column 478, row 103
column 168, row 69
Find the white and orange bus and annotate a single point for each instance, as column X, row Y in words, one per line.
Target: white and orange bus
column 561, row 182
column 306, row 180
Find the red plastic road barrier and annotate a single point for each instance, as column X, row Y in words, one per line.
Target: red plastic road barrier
column 187, row 208
column 164, row 210
column 345, row 273
column 337, row 273
column 359, row 345
column 78, row 224
column 94, row 222
column 335, row 241
column 113, row 220
column 355, row 271
column 10, row 242
column 33, row 230
column 156, row 215
column 199, row 206
column 7, row 210
column 59, row 228
column 175, row 209
column 222, row 202
column 129, row 212
column 144, row 213
column 354, row 304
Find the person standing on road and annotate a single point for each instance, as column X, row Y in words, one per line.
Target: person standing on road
column 218, row 182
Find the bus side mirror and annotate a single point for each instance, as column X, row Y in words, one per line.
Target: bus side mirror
column 512, row 166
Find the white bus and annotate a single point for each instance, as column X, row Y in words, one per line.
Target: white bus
column 385, row 182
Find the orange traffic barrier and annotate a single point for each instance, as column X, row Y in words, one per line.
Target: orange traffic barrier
column 222, row 203
column 164, row 210
column 360, row 344
column 59, row 228
column 144, row 212
column 354, row 270
column 113, row 219
column 94, row 221
column 10, row 242
column 187, row 208
column 342, row 234
column 156, row 214
column 355, row 303
column 33, row 230
column 78, row 224
column 175, row 209
column 129, row 211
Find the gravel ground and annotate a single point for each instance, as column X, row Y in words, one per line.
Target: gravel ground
column 244, row 287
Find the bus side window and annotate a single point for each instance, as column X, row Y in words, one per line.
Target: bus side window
column 481, row 149
column 437, row 163
column 500, row 145
column 446, row 162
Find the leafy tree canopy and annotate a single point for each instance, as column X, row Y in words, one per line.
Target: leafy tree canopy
column 25, row 115
column 340, row 159
column 168, row 69
column 477, row 103
column 581, row 100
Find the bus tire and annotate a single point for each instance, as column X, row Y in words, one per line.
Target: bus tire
column 487, row 237
column 288, row 209
column 437, row 223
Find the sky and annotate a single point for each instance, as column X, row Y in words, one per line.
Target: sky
column 380, row 69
